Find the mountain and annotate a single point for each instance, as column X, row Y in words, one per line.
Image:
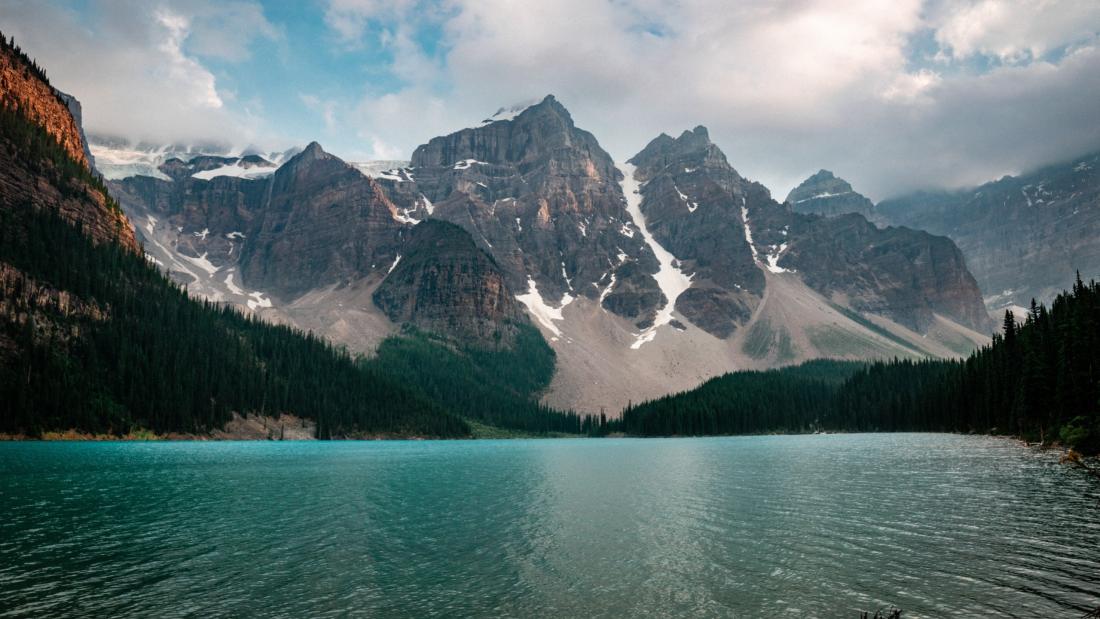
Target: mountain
column 825, row 194
column 694, row 200
column 544, row 198
column 1023, row 237
column 118, row 158
column 646, row 278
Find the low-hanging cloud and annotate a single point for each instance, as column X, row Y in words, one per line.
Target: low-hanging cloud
column 891, row 95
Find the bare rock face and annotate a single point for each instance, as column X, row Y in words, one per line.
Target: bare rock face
column 1023, row 237
column 30, row 177
column 538, row 194
column 443, row 283
column 692, row 200
column 902, row 274
column 825, row 194
column 322, row 222
column 23, row 87
column 314, row 222
column 729, row 232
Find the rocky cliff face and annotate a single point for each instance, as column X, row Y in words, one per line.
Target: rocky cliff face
column 443, row 283
column 692, row 200
column 1023, row 237
column 313, row 222
column 24, row 87
column 825, row 194
column 30, row 173
column 544, row 199
column 905, row 275
column 729, row 232
column 322, row 221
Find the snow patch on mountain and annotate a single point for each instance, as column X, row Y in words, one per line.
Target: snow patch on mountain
column 544, row 313
column 238, row 169
column 510, row 112
column 670, row 279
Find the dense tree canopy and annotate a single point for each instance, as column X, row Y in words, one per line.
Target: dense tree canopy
column 1039, row 379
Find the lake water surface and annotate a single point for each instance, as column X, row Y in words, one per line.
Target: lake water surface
column 800, row 526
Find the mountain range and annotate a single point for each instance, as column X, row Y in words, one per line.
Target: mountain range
column 522, row 241
column 645, row 276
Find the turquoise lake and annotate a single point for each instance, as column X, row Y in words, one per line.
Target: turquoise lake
column 799, row 526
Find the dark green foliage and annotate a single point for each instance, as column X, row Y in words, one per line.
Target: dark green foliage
column 1040, row 379
column 496, row 387
column 795, row 399
column 159, row 360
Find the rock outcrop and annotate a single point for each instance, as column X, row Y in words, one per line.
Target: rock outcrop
column 443, row 283
column 692, row 200
column 50, row 170
column 1023, row 237
column 23, row 86
column 825, row 194
column 322, row 222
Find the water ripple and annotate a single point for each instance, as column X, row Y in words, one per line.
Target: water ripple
column 811, row 526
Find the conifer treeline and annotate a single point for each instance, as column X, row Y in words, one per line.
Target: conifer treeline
column 1039, row 379
column 497, row 387
column 148, row 356
column 96, row 339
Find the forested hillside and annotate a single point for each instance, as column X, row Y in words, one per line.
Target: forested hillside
column 1039, row 379
column 795, row 399
column 94, row 338
column 497, row 387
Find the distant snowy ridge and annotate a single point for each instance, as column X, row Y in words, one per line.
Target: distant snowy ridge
column 117, row 160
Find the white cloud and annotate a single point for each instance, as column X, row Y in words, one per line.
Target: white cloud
column 1014, row 30
column 785, row 87
column 134, row 70
column 326, row 108
column 349, row 18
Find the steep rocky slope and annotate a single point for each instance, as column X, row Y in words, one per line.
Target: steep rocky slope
column 443, row 283
column 23, row 86
column 36, row 116
column 544, row 198
column 1023, row 237
column 728, row 231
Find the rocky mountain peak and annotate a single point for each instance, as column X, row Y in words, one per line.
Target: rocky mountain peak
column 826, row 194
column 518, row 135
column 312, row 152
column 691, row 151
column 312, row 161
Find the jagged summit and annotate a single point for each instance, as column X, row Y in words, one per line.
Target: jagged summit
column 692, row 151
column 513, row 135
column 824, row 193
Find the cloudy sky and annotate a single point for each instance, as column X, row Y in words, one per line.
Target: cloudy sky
column 890, row 94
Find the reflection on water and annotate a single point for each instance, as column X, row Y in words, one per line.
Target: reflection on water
column 809, row 526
